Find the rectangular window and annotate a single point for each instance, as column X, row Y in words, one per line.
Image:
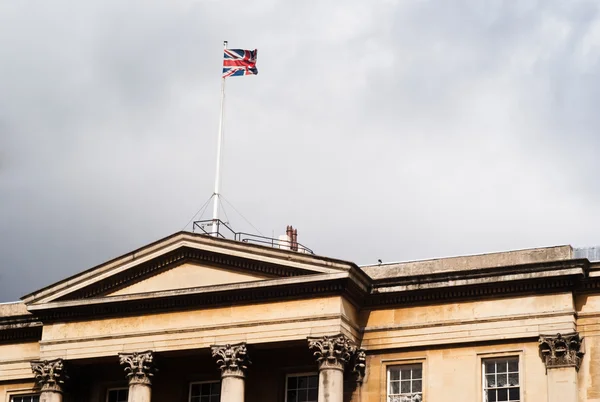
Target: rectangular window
column 405, row 383
column 302, row 388
column 25, row 398
column 501, row 380
column 117, row 394
column 206, row 391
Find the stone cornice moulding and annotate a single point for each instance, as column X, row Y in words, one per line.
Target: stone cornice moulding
column 476, row 291
column 49, row 374
column 139, row 366
column 305, row 279
column 577, row 268
column 251, row 252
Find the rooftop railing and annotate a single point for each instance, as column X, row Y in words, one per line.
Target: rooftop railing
column 218, row 228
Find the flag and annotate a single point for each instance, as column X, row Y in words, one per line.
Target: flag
column 239, row 62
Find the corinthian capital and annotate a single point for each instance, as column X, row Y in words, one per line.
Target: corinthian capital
column 332, row 351
column 139, row 366
column 232, row 359
column 50, row 374
column 561, row 350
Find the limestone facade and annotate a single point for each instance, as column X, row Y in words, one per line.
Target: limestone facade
column 192, row 318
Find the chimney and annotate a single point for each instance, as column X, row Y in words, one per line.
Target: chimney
column 294, row 239
column 289, row 240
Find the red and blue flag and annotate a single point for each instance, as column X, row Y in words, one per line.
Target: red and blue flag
column 239, row 62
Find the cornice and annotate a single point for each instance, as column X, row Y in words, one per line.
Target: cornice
column 20, row 328
column 31, row 332
column 526, row 271
column 473, row 292
column 243, row 293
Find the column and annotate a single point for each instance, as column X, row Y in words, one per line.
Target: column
column 139, row 367
column 233, row 362
column 332, row 353
column 50, row 375
column 562, row 356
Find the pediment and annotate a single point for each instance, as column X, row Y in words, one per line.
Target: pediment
column 188, row 275
column 185, row 261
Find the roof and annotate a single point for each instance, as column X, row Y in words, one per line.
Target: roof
column 292, row 259
column 468, row 263
column 13, row 309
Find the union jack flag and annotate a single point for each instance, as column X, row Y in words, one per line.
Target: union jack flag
column 239, row 62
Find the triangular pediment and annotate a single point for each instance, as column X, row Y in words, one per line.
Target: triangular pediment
column 185, row 261
column 188, row 275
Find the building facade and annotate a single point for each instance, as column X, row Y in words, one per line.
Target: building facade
column 193, row 318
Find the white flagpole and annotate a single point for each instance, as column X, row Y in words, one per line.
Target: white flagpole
column 216, row 195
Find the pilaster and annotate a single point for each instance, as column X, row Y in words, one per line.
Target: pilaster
column 562, row 356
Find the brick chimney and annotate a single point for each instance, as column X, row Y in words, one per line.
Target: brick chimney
column 292, row 235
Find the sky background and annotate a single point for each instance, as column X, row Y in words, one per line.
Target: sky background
column 381, row 129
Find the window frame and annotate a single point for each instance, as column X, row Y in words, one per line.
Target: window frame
column 22, row 394
column 201, row 382
column 484, row 374
column 501, row 354
column 302, row 374
column 399, row 366
column 20, row 391
column 115, row 389
column 398, row 361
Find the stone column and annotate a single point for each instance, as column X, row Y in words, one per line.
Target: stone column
column 233, row 362
column 50, row 375
column 332, row 352
column 139, row 367
column 562, row 356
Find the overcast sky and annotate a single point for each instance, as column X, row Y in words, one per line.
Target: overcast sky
column 390, row 130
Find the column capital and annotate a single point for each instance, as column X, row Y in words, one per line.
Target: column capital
column 50, row 374
column 232, row 359
column 561, row 350
column 139, row 366
column 332, row 352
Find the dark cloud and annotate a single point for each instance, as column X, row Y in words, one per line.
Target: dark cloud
column 392, row 130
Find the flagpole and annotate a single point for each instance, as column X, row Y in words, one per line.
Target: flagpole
column 216, row 194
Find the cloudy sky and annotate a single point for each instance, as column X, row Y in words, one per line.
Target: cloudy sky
column 383, row 129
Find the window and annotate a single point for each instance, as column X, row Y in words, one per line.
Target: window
column 302, row 388
column 117, row 395
column 405, row 383
column 25, row 398
column 501, row 380
column 207, row 391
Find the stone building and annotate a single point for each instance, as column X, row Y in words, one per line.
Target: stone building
column 193, row 318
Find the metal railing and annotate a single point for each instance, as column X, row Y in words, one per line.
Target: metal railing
column 224, row 231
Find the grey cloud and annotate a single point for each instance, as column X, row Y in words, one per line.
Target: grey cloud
column 388, row 129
